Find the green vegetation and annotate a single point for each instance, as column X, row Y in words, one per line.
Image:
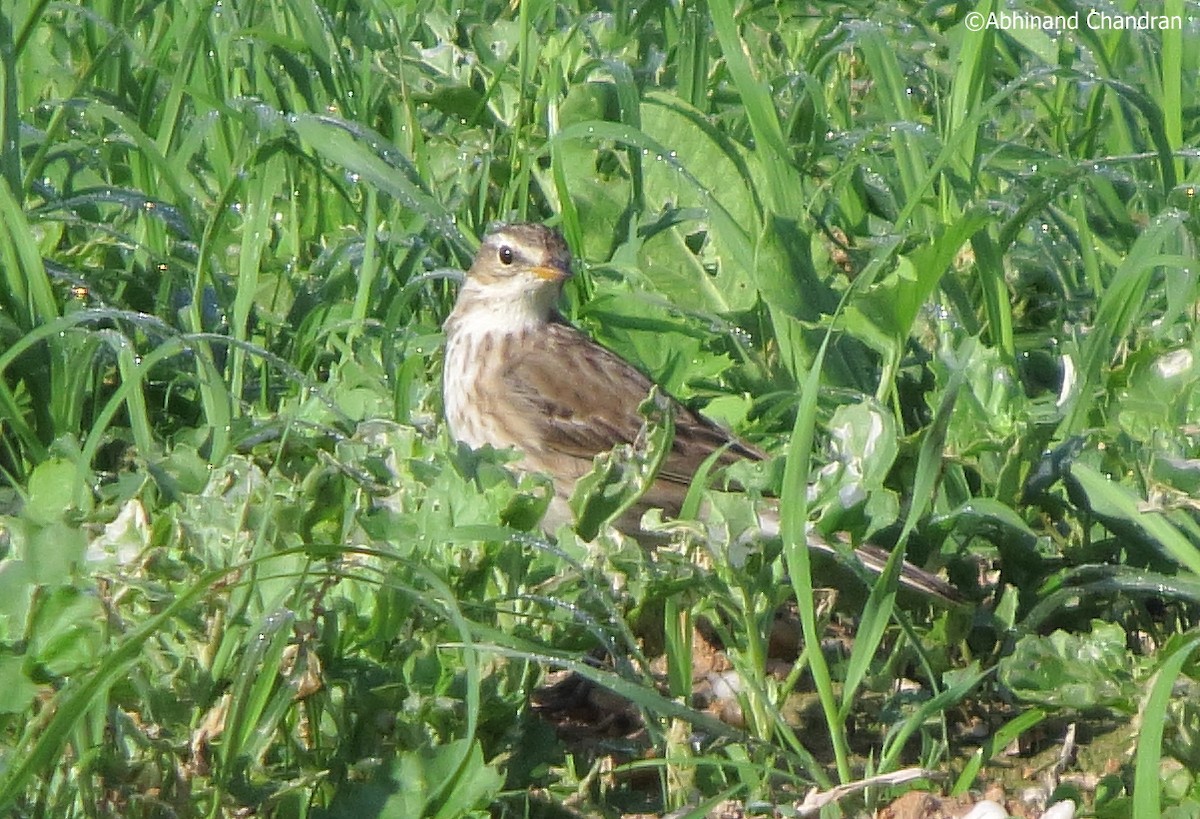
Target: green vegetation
column 949, row 277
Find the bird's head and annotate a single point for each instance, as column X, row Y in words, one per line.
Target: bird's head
column 519, row 270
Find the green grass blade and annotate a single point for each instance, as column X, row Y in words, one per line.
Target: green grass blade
column 1120, row 306
column 877, row 612
column 1147, row 774
column 995, row 744
column 1111, row 499
column 783, row 182
column 793, row 526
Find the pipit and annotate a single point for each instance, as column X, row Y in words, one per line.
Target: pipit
column 518, row 376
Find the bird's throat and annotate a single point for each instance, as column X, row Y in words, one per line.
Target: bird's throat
column 494, row 308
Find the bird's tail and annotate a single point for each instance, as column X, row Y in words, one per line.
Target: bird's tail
column 872, row 558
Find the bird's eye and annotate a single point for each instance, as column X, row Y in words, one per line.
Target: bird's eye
column 506, row 255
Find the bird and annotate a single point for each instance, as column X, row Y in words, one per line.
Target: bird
column 517, row 375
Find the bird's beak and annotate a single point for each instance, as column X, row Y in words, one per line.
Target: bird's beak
column 552, row 274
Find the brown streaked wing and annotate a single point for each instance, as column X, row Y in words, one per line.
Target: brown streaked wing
column 583, row 400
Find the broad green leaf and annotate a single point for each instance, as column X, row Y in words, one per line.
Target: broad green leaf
column 16, row 689
column 670, row 348
column 17, row 586
column 51, row 491
column 55, row 552
column 1076, row 671
column 65, row 632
